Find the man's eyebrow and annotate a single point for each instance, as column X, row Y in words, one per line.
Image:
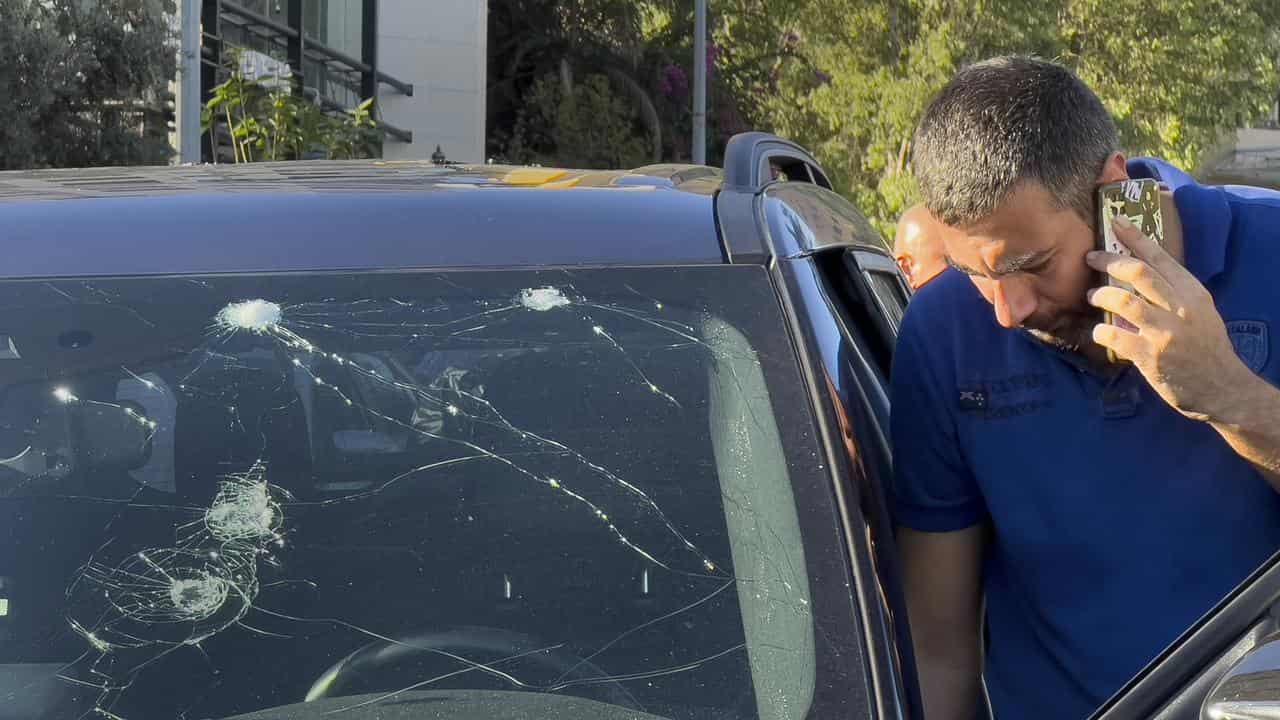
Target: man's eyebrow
column 1007, row 267
column 1022, row 262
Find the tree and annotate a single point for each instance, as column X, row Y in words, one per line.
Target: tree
column 849, row 78
column 84, row 83
column 534, row 40
column 643, row 48
column 588, row 126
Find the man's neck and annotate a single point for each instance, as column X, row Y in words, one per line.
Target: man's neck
column 1096, row 355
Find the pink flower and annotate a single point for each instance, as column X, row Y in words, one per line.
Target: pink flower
column 673, row 82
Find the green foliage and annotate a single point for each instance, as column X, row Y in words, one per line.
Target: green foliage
column 84, row 83
column 533, row 42
column 587, row 127
column 643, row 50
column 274, row 123
column 849, row 78
column 355, row 135
column 1212, row 66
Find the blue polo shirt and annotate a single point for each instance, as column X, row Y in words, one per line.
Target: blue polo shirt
column 1117, row 522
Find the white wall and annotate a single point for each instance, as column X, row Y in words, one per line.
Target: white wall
column 440, row 47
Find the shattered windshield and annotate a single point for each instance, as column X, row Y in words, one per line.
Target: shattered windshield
column 587, row 494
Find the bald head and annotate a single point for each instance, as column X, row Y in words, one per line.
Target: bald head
column 918, row 246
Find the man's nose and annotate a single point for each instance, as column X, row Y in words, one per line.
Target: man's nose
column 1014, row 301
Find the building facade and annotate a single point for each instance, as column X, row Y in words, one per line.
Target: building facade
column 423, row 61
column 440, row 47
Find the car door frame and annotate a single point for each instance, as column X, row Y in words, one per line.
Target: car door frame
column 845, row 357
column 851, row 436
column 1174, row 685
column 850, row 404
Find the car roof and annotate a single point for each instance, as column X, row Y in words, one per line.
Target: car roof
column 344, row 215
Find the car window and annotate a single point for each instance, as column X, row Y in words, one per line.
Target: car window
column 585, row 494
column 885, row 285
column 852, row 255
column 889, row 292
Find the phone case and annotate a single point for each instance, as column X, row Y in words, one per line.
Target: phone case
column 1139, row 200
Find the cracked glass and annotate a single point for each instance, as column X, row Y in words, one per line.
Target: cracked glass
column 568, row 494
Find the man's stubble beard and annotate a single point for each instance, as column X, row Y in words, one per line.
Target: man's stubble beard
column 1076, row 335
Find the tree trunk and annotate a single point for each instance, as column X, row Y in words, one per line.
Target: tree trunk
column 647, row 111
column 566, row 77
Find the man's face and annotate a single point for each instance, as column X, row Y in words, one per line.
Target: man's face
column 1028, row 260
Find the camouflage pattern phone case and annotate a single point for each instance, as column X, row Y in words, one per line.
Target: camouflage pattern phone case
column 1139, row 200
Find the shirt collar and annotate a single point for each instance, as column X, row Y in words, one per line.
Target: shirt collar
column 1205, row 215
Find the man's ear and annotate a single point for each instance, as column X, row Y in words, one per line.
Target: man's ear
column 904, row 263
column 1114, row 169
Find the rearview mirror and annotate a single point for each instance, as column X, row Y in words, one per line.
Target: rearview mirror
column 1250, row 690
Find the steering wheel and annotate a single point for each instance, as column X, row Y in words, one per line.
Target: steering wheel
column 387, row 666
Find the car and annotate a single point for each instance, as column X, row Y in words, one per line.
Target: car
column 397, row 440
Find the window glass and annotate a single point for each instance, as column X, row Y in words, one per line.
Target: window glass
column 889, row 295
column 587, row 494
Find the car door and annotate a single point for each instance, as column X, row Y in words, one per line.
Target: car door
column 1225, row 666
column 848, row 297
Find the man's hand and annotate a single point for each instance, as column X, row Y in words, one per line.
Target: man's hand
column 1179, row 343
column 1176, row 337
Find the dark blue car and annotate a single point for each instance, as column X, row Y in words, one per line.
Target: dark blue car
column 380, row 440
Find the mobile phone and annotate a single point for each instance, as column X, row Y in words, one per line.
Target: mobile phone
column 1138, row 200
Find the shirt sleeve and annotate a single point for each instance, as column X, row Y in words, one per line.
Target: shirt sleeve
column 933, row 488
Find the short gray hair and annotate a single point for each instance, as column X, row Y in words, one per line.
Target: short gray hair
column 1002, row 122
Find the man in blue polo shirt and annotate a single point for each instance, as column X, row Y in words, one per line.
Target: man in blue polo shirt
column 1100, row 509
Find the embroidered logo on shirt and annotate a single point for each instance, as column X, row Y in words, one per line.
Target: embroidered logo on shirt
column 1249, row 337
column 973, row 399
column 1007, row 397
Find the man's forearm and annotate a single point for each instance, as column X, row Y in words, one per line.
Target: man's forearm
column 1251, row 425
column 942, row 573
column 950, row 682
